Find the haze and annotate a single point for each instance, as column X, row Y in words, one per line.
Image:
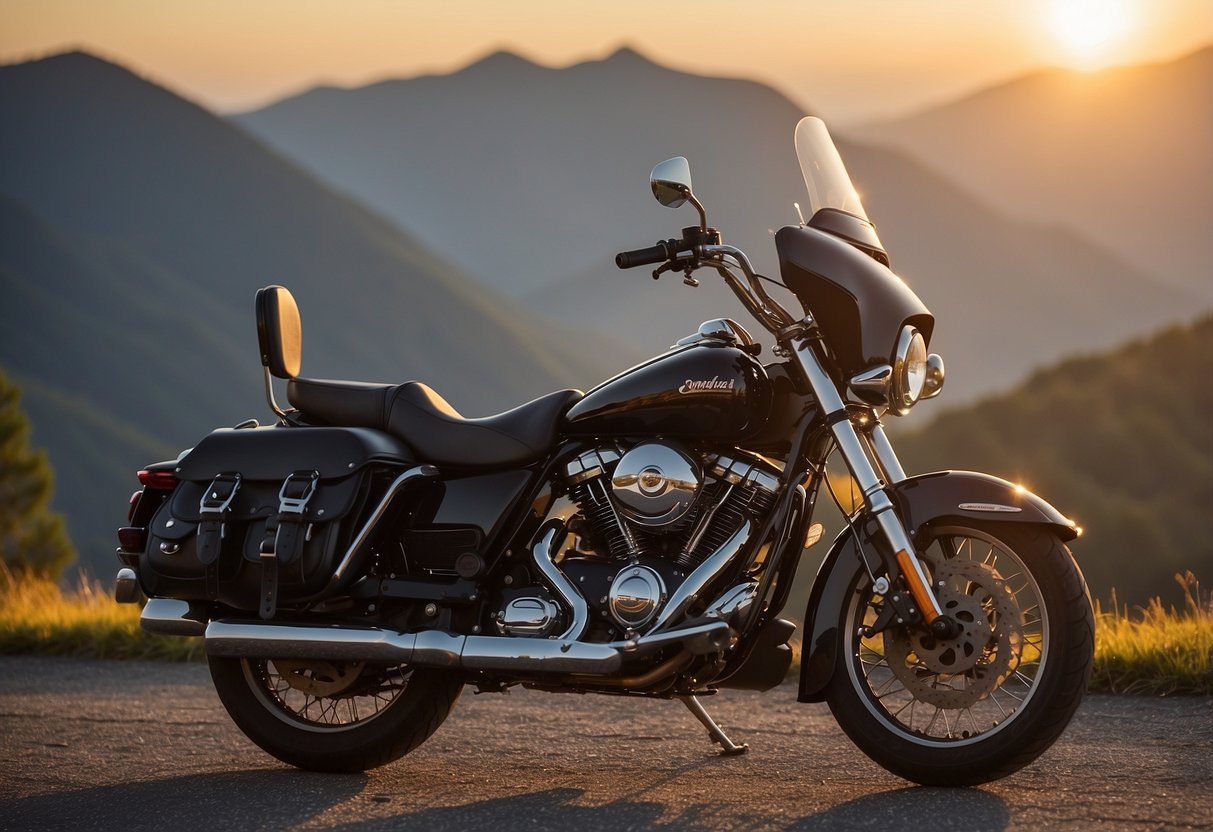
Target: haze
column 852, row 62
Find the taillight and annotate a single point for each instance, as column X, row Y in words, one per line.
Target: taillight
column 130, row 512
column 159, row 480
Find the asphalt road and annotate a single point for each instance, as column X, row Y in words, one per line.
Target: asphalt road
column 133, row 746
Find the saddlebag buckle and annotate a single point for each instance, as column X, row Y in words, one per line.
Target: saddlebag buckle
column 213, row 510
column 284, row 534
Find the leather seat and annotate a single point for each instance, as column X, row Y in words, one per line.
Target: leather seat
column 435, row 431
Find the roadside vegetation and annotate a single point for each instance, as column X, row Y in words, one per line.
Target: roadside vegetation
column 1153, row 650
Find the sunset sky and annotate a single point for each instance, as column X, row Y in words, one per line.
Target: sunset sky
column 849, row 60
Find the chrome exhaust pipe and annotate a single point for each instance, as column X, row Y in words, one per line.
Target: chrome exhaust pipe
column 248, row 639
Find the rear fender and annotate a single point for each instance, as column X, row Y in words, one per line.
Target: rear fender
column 922, row 501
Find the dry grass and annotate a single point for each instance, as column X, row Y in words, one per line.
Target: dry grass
column 37, row 616
column 1156, row 650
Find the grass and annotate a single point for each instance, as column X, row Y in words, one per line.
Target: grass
column 1156, row 650
column 1152, row 650
column 37, row 616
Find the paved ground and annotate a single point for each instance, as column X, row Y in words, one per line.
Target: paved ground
column 133, row 746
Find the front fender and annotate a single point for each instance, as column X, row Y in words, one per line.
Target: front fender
column 921, row 501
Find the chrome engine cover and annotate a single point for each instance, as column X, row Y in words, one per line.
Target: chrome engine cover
column 636, row 596
column 528, row 616
column 655, row 484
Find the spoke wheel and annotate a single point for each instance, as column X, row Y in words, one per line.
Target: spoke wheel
column 960, row 689
column 334, row 716
column 982, row 704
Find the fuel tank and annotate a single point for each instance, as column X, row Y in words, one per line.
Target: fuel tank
column 700, row 391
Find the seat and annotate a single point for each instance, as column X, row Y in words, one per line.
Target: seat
column 411, row 412
column 430, row 426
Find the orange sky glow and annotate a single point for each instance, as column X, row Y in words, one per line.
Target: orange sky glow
column 849, row 61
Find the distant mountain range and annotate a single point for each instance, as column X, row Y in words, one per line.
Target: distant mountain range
column 1124, row 155
column 533, row 177
column 1120, row 441
column 135, row 228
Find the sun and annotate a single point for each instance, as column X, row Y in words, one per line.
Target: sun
column 1091, row 29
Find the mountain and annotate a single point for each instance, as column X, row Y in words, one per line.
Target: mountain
column 1120, row 441
column 135, row 228
column 1122, row 155
column 533, row 177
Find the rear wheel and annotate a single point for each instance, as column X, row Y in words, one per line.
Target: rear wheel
column 334, row 716
column 985, row 703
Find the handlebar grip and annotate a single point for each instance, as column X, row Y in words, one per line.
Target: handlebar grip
column 644, row 256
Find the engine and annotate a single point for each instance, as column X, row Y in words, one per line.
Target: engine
column 648, row 516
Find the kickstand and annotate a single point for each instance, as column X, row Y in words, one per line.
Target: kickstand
column 715, row 732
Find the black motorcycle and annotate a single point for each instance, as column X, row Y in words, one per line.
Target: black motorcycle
column 352, row 567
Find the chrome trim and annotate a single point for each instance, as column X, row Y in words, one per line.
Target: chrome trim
column 590, row 464
column 724, row 330
column 635, row 596
column 704, row 574
column 432, row 648
column 126, row 586
column 529, row 616
column 886, row 457
column 933, row 386
column 993, row 508
column 655, row 484
column 170, row 617
column 394, row 489
column 900, row 396
column 542, row 553
column 734, row 602
column 715, row 731
column 742, row 471
column 872, row 386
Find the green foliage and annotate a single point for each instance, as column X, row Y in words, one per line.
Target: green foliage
column 32, row 538
column 1120, row 442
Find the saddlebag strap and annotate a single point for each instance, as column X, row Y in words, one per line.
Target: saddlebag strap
column 285, row 534
column 213, row 510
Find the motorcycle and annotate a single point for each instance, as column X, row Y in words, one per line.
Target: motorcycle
column 353, row 566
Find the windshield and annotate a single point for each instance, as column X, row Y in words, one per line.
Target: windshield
column 824, row 173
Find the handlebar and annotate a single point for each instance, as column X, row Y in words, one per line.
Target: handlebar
column 659, row 253
column 695, row 251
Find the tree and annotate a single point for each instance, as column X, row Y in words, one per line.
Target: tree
column 32, row 537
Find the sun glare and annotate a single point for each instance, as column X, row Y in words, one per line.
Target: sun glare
column 1090, row 29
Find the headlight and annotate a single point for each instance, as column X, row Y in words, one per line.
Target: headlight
column 909, row 369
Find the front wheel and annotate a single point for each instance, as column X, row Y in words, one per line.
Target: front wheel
column 334, row 716
column 982, row 705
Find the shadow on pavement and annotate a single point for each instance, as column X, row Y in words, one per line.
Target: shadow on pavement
column 911, row 808
column 262, row 799
column 918, row 807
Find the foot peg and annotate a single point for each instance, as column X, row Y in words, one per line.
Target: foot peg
column 715, row 732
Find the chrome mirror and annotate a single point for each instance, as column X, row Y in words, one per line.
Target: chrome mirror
column 671, row 181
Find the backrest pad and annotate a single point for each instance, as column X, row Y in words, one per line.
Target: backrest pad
column 279, row 331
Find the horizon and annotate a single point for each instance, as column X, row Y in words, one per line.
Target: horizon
column 233, row 59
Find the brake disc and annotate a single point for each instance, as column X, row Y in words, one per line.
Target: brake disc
column 319, row 678
column 957, row 672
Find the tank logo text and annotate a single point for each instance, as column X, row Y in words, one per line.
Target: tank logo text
column 712, row 385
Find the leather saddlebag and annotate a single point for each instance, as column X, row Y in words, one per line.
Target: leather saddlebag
column 263, row 516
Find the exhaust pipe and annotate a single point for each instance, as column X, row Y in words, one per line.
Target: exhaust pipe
column 249, row 639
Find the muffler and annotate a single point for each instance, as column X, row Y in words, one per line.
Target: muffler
column 252, row 639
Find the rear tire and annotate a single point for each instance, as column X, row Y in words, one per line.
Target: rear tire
column 989, row 702
column 325, row 716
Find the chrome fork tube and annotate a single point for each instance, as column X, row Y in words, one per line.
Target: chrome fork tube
column 886, row 457
column 861, row 467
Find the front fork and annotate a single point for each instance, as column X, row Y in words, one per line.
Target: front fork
column 871, row 481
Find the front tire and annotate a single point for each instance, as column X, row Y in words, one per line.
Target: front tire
column 334, row 716
column 986, row 703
